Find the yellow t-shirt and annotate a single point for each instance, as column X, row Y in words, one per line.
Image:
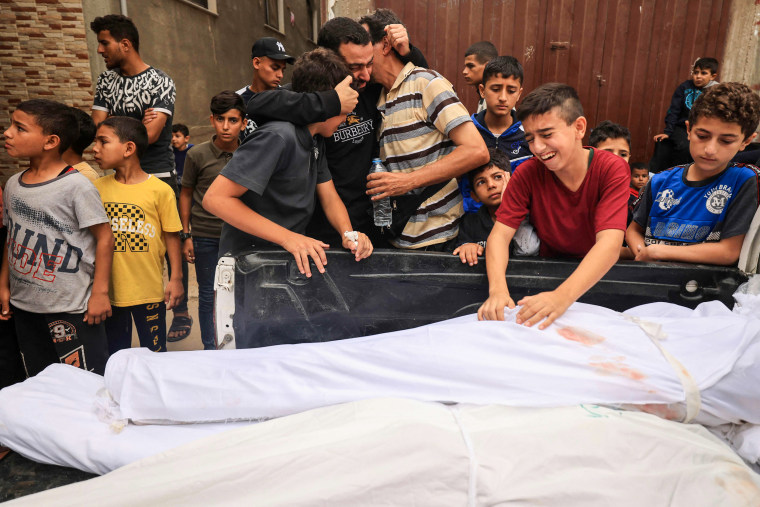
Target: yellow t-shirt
column 139, row 216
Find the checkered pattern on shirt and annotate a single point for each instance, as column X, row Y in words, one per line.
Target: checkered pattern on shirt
column 136, row 242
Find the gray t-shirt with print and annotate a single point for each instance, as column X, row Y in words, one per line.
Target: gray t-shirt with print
column 51, row 253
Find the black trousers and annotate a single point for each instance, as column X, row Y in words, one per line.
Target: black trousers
column 47, row 338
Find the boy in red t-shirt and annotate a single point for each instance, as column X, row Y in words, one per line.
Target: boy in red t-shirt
column 577, row 200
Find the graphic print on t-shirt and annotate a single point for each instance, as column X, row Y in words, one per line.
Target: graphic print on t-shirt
column 132, row 96
column 353, row 129
column 129, row 227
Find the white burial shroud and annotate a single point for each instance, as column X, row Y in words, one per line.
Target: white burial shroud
column 698, row 365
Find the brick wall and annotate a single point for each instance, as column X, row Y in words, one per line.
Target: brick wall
column 43, row 54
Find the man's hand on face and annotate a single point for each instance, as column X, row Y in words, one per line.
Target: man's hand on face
column 347, row 95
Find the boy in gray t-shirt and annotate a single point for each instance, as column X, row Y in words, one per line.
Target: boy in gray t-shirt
column 59, row 246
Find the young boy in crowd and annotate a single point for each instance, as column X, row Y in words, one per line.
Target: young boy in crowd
column 266, row 193
column 204, row 163
column 59, row 246
column 501, row 88
column 475, row 59
column 612, row 137
column 576, row 198
column 488, row 183
column 180, row 145
column 672, row 146
column 73, row 155
column 144, row 220
column 700, row 212
column 639, row 179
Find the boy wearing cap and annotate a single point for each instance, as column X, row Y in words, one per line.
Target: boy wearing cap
column 269, row 60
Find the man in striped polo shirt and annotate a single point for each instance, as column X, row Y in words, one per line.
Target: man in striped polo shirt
column 427, row 140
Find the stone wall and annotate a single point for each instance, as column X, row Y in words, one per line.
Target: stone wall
column 43, row 54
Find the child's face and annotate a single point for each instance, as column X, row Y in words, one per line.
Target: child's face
column 180, row 140
column 619, row 146
column 488, row 186
column 552, row 140
column 714, row 142
column 109, row 151
column 24, row 138
column 700, row 77
column 639, row 178
column 227, row 125
column 501, row 94
column 473, row 70
column 270, row 71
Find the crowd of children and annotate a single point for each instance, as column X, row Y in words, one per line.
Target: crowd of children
column 84, row 256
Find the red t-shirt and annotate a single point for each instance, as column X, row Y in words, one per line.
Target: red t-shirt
column 565, row 221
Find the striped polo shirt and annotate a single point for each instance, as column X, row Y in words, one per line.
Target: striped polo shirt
column 418, row 113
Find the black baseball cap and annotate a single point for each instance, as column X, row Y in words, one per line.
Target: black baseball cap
column 271, row 48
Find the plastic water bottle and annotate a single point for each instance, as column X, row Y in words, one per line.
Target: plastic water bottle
column 381, row 208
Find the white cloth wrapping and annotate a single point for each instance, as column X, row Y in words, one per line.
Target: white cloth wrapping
column 590, row 355
column 402, row 452
column 51, row 418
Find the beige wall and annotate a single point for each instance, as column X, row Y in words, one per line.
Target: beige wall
column 742, row 58
column 203, row 52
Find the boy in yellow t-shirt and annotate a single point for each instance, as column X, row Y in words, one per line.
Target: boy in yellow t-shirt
column 144, row 220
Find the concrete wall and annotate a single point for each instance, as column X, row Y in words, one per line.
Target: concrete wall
column 350, row 8
column 742, row 57
column 203, row 52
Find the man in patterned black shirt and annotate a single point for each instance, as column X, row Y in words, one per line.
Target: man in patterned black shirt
column 131, row 87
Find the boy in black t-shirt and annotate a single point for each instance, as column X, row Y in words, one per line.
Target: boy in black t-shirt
column 271, row 201
column 488, row 183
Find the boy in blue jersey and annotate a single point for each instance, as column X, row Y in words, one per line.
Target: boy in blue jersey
column 700, row 212
column 501, row 88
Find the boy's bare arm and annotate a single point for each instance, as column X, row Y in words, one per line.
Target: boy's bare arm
column 470, row 152
column 337, row 215
column 497, row 259
column 551, row 305
column 724, row 252
column 174, row 289
column 634, row 237
column 99, row 306
column 185, row 205
column 5, row 287
column 223, row 200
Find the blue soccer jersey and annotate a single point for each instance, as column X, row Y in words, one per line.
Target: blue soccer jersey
column 676, row 211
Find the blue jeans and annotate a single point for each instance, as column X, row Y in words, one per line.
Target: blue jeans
column 206, row 254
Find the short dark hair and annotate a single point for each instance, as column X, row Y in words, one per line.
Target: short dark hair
column 318, row 70
column 731, row 103
column 180, row 127
column 608, row 130
column 706, row 63
column 484, row 51
column 54, row 119
column 120, row 27
column 377, row 21
column 342, row 30
column 128, row 130
column 506, row 66
column 225, row 101
column 497, row 158
column 639, row 165
column 86, row 131
column 548, row 96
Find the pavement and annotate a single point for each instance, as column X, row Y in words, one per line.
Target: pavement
column 193, row 341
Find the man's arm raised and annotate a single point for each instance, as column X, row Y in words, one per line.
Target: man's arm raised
column 470, row 152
